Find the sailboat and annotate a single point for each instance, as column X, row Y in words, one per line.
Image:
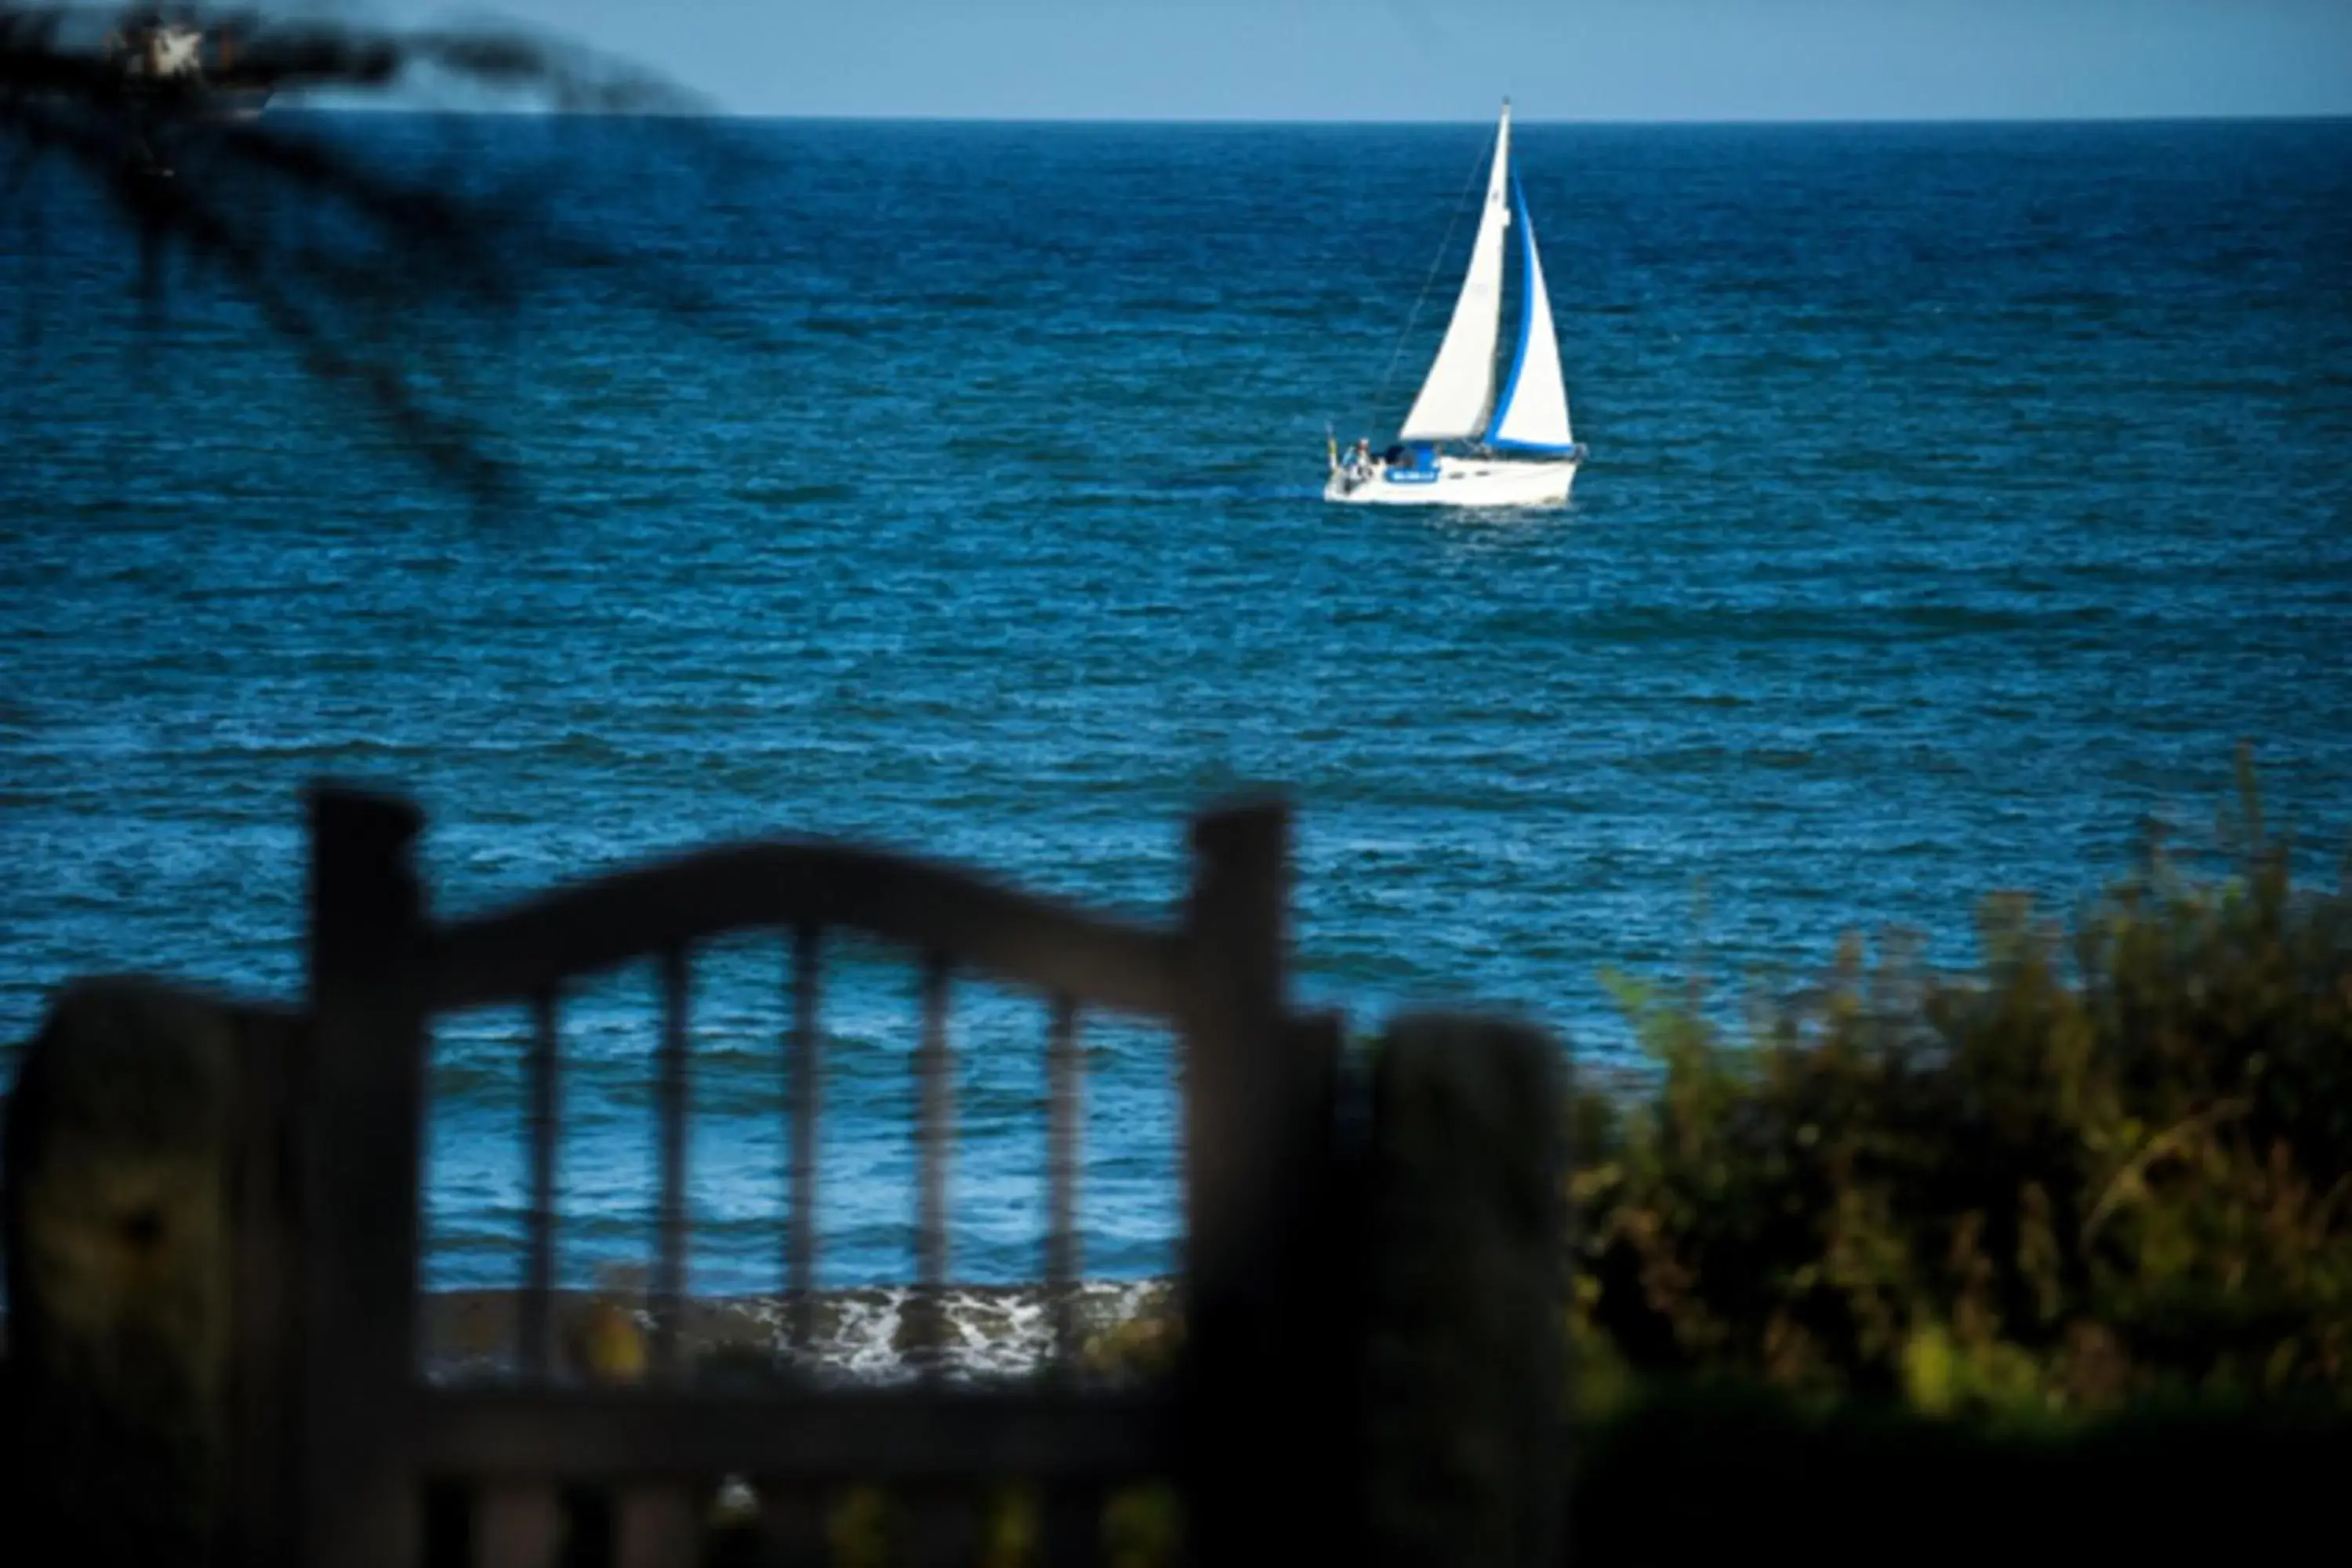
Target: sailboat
column 1461, row 445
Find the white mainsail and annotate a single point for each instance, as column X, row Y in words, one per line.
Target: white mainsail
column 1461, row 382
column 1533, row 412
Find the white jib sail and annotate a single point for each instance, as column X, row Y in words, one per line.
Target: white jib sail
column 1535, row 400
column 1453, row 399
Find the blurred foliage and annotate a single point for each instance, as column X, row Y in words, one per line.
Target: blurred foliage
column 2111, row 1166
column 1139, row 1348
column 343, row 250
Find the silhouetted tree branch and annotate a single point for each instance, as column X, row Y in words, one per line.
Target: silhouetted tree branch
column 154, row 114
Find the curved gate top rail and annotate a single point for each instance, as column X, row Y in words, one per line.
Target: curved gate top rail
column 1046, row 945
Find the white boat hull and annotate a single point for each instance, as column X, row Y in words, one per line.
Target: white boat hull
column 1457, row 481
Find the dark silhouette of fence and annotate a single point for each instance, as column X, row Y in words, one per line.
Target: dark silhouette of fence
column 1370, row 1290
column 341, row 1481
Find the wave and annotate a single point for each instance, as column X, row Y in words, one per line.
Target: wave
column 991, row 1332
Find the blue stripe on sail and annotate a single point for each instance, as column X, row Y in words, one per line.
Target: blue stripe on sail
column 1527, row 320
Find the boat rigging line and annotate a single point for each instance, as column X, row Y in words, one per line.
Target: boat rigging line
column 1381, row 398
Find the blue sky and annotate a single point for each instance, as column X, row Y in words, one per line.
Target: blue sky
column 1453, row 59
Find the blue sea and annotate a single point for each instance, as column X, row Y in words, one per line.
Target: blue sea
column 1959, row 498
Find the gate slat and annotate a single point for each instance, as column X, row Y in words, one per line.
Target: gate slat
column 792, row 1521
column 1063, row 1089
column 1071, row 1529
column 802, row 1094
column 658, row 1527
column 519, row 1526
column 670, row 1272
column 933, row 1067
column 536, row 1351
column 941, row 1524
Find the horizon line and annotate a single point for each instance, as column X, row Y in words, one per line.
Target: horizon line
column 1251, row 123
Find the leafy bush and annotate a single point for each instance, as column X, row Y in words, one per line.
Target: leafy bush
column 2097, row 1171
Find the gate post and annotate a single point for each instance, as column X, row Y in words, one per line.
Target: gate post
column 118, row 1226
column 1245, row 1103
column 360, row 1127
column 1466, row 1296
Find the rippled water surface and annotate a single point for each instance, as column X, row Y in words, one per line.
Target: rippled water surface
column 1958, row 498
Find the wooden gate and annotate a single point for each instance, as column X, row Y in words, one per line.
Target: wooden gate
column 1246, row 1428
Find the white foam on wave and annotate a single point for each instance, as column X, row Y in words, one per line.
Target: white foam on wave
column 990, row 1333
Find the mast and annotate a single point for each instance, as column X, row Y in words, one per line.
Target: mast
column 1460, row 387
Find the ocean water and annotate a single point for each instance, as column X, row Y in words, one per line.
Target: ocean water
column 1959, row 498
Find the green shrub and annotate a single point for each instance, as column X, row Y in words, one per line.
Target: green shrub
column 2096, row 1171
